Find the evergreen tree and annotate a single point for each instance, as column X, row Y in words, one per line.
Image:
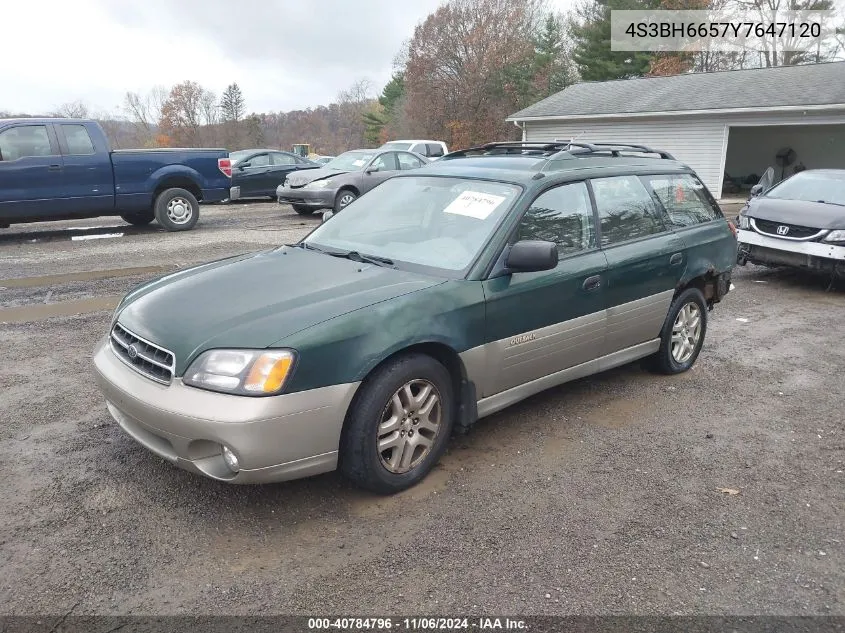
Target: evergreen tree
column 232, row 105
column 591, row 34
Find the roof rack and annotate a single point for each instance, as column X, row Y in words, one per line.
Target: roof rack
column 558, row 146
column 615, row 147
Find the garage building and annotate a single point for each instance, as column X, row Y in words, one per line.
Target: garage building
column 729, row 126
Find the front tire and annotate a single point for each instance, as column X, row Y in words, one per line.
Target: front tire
column 177, row 209
column 343, row 199
column 683, row 333
column 303, row 209
column 398, row 426
column 141, row 218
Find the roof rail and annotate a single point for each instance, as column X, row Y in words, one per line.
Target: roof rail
column 551, row 149
column 510, row 147
column 615, row 147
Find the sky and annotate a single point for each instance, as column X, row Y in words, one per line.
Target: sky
column 284, row 54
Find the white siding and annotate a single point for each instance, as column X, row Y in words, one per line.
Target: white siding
column 699, row 141
column 694, row 141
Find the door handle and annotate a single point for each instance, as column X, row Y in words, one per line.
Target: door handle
column 54, row 168
column 676, row 259
column 591, row 283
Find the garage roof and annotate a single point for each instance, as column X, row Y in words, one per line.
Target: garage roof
column 758, row 88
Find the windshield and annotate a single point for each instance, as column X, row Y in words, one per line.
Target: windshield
column 439, row 223
column 396, row 145
column 811, row 187
column 350, row 161
column 239, row 156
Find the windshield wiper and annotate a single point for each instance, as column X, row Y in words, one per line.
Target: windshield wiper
column 355, row 256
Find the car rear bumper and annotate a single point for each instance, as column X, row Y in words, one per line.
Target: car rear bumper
column 317, row 198
column 771, row 251
column 274, row 438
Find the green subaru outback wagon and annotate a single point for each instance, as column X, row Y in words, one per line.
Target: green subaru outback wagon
column 442, row 296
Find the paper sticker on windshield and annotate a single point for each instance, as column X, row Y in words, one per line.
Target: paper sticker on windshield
column 358, row 163
column 474, row 204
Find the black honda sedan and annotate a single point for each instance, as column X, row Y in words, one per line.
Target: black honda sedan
column 800, row 222
column 257, row 172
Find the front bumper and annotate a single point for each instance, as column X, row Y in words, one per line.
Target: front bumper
column 771, row 251
column 317, row 198
column 275, row 438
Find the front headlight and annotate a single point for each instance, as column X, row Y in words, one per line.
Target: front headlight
column 318, row 184
column 244, row 372
column 835, row 236
column 744, row 222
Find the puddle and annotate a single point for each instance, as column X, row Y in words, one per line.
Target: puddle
column 89, row 275
column 41, row 311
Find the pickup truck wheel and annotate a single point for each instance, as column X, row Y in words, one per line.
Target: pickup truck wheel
column 398, row 425
column 140, row 218
column 177, row 209
column 683, row 334
column 302, row 209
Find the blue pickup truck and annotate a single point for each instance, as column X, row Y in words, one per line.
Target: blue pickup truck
column 62, row 169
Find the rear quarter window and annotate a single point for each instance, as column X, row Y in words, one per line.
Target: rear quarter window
column 683, row 197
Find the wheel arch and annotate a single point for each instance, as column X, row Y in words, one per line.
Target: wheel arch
column 447, row 356
column 347, row 187
column 178, row 182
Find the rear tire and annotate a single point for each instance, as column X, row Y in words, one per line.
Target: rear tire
column 177, row 209
column 303, row 209
column 406, row 409
column 682, row 335
column 139, row 218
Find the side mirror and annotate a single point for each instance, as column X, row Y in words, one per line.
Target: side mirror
column 371, row 169
column 528, row 256
column 756, row 190
column 243, row 166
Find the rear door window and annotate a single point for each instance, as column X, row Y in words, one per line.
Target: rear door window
column 626, row 209
column 78, row 140
column 684, row 198
column 24, row 141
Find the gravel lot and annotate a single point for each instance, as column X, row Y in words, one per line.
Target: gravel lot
column 598, row 497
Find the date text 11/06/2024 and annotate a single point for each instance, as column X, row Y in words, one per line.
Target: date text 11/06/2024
column 416, row 624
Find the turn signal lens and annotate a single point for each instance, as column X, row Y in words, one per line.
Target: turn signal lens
column 269, row 372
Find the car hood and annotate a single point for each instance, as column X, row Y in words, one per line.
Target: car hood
column 257, row 300
column 811, row 214
column 299, row 179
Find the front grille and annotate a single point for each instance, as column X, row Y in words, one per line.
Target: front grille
column 794, row 231
column 146, row 358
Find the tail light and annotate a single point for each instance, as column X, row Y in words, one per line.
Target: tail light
column 225, row 165
column 732, row 227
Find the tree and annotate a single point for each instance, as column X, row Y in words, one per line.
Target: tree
column 352, row 104
column 144, row 112
column 553, row 69
column 73, row 110
column 381, row 117
column 181, row 113
column 590, row 31
column 454, row 70
column 232, row 105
